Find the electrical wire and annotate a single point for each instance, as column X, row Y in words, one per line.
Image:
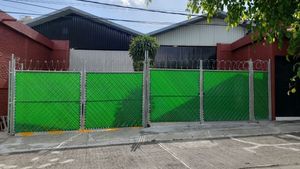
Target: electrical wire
column 16, row 7
column 24, row 3
column 118, row 20
column 93, row 3
column 136, row 8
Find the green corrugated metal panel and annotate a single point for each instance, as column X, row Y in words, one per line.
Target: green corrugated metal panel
column 47, row 101
column 174, row 95
column 226, row 96
column 261, row 95
column 113, row 100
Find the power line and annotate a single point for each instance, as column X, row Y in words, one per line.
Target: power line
column 136, row 8
column 93, row 5
column 16, row 7
column 111, row 19
column 118, row 20
column 24, row 3
column 59, row 3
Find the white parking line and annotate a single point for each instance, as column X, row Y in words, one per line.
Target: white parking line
column 292, row 136
column 258, row 145
column 174, row 155
column 68, row 140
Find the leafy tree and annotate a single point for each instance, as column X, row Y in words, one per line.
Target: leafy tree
column 137, row 49
column 271, row 20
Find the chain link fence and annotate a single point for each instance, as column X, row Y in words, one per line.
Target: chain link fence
column 47, row 101
column 174, row 95
column 113, row 100
column 226, row 95
column 41, row 100
column 261, row 91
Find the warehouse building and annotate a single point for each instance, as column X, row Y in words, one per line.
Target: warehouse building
column 185, row 43
column 103, row 45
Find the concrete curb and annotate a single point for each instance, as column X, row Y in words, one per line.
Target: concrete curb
column 141, row 143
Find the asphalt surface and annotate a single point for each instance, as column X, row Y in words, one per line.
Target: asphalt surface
column 274, row 151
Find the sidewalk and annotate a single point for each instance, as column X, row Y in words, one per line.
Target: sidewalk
column 159, row 132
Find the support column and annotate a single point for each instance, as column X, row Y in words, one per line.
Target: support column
column 83, row 97
column 251, row 92
column 146, row 91
column 270, row 89
column 201, row 93
column 11, row 103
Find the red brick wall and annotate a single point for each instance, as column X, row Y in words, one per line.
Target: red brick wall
column 23, row 46
column 61, row 52
column 3, row 101
column 245, row 49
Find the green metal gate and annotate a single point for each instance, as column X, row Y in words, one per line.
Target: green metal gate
column 46, row 101
column 113, row 100
column 174, row 95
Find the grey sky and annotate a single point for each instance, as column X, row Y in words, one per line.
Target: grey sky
column 109, row 12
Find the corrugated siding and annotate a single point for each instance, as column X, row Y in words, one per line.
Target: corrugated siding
column 183, row 56
column 85, row 34
column 201, row 34
column 101, row 60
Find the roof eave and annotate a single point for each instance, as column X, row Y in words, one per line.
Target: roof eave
column 69, row 10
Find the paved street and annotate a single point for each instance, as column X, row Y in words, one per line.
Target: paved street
column 276, row 151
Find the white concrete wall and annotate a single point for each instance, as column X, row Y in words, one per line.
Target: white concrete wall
column 101, row 60
column 201, row 34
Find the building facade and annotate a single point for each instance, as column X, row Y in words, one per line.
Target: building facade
column 284, row 106
column 27, row 45
column 187, row 42
column 88, row 34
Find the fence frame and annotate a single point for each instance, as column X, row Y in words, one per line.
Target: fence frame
column 270, row 89
column 83, row 97
column 11, row 96
column 201, row 93
column 251, row 92
column 146, row 91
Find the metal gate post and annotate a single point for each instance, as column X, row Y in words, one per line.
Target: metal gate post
column 146, row 90
column 251, row 92
column 83, row 98
column 269, row 90
column 11, row 96
column 201, row 111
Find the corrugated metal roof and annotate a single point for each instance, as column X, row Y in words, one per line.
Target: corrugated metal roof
column 71, row 10
column 221, row 15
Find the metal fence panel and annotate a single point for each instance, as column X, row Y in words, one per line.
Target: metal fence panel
column 47, row 101
column 174, row 95
column 261, row 95
column 226, row 96
column 113, row 100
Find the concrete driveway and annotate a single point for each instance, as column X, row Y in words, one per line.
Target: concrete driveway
column 275, row 151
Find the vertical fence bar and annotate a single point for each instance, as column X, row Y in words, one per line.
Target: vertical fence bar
column 201, row 92
column 146, row 91
column 269, row 90
column 251, row 92
column 12, row 96
column 83, row 100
